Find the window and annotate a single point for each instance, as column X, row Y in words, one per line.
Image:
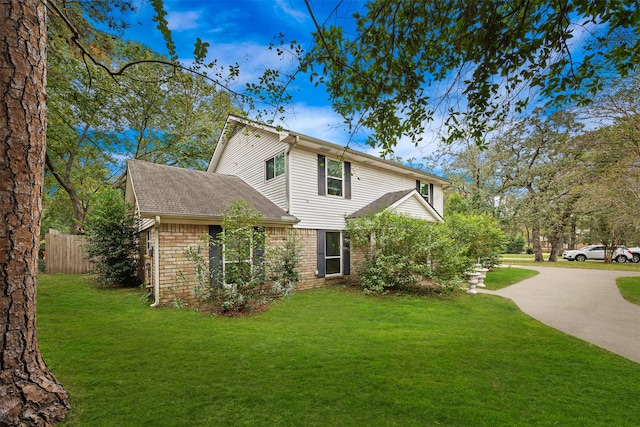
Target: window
column 334, row 257
column 149, row 247
column 333, row 252
column 334, row 177
column 424, row 190
column 239, row 257
column 275, row 166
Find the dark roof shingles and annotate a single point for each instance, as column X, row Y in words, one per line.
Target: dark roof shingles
column 168, row 190
column 380, row 204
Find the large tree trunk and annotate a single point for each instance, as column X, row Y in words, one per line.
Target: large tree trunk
column 557, row 245
column 535, row 239
column 29, row 393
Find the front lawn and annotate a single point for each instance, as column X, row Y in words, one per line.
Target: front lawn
column 629, row 288
column 326, row 357
column 501, row 277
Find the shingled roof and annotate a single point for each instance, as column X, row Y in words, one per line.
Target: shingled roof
column 381, row 203
column 171, row 191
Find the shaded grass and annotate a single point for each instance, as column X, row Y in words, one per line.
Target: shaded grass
column 500, row 277
column 629, row 288
column 326, row 357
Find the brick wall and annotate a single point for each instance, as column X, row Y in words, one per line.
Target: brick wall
column 177, row 278
column 308, row 240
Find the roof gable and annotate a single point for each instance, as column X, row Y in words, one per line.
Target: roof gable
column 395, row 200
column 171, row 191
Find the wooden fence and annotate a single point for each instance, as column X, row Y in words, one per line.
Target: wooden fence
column 65, row 254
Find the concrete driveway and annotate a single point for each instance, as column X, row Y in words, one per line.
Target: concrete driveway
column 582, row 303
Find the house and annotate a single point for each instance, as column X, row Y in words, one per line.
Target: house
column 296, row 181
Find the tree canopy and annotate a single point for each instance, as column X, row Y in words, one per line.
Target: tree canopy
column 152, row 111
column 473, row 62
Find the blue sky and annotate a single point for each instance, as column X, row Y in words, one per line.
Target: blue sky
column 241, row 31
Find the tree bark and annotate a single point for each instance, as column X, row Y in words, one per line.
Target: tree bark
column 29, row 394
column 535, row 239
column 557, row 243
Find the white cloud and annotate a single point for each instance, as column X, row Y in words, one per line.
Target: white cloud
column 323, row 123
column 184, row 21
column 319, row 122
column 297, row 15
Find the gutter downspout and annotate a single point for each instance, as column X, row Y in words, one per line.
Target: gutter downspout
column 156, row 263
column 288, row 186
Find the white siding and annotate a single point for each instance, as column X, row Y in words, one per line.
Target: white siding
column 245, row 156
column 146, row 223
column 413, row 208
column 368, row 183
column 438, row 199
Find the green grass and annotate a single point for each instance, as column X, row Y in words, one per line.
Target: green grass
column 326, row 357
column 522, row 256
column 561, row 263
column 501, row 277
column 629, row 288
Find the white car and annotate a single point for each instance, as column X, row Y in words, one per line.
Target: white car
column 597, row 252
column 636, row 254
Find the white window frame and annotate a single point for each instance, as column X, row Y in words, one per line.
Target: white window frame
column 149, row 242
column 225, row 262
column 273, row 159
column 333, row 257
column 341, row 178
column 424, row 185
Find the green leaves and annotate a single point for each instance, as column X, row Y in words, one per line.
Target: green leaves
column 163, row 27
column 401, row 251
column 112, row 238
column 200, row 50
column 409, row 61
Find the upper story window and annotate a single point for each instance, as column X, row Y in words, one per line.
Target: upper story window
column 275, row 166
column 426, row 190
column 334, row 177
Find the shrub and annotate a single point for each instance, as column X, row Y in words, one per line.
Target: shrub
column 283, row 263
column 112, row 239
column 481, row 236
column 515, row 245
column 237, row 284
column 402, row 251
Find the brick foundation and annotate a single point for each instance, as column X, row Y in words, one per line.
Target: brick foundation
column 308, row 240
column 177, row 278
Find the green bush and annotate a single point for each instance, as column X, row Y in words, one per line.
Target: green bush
column 402, row 251
column 480, row 235
column 237, row 284
column 112, row 239
column 515, row 245
column 283, row 263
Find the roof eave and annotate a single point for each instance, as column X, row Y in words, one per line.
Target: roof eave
column 317, row 144
column 209, row 219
